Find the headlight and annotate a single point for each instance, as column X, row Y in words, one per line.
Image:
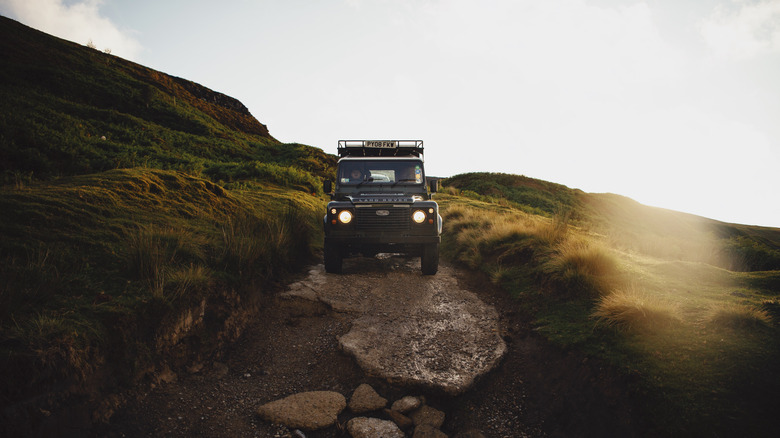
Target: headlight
column 418, row 216
column 345, row 217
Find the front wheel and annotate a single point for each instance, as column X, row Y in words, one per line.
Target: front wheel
column 430, row 258
column 333, row 259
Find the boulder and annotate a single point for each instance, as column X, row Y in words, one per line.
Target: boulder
column 363, row 427
column 400, row 419
column 435, row 334
column 307, row 410
column 429, row 416
column 365, row 399
column 407, row 404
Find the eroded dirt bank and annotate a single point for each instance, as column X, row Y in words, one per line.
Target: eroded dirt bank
column 536, row 390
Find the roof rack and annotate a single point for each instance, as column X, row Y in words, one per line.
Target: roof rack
column 380, row 148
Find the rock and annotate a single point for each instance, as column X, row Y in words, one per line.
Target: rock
column 400, row 419
column 363, row 427
column 428, row 431
column 365, row 399
column 440, row 337
column 428, row 415
column 406, row 404
column 307, row 410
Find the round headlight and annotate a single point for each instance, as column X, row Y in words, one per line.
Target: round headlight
column 345, row 217
column 418, row 216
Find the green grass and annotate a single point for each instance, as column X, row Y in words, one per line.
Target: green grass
column 89, row 259
column 131, row 200
column 699, row 340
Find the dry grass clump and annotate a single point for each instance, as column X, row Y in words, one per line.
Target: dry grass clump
column 183, row 281
column 549, row 250
column 152, row 249
column 737, row 316
column 630, row 309
column 580, row 267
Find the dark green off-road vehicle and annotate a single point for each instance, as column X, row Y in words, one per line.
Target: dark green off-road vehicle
column 381, row 204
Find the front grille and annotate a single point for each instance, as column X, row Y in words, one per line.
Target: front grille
column 397, row 219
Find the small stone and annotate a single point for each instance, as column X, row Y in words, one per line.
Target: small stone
column 428, row 431
column 406, row 404
column 428, row 415
column 363, row 427
column 400, row 419
column 365, row 399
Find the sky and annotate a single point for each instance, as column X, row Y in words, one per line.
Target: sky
column 674, row 103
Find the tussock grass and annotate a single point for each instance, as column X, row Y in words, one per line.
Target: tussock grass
column 630, row 309
column 737, row 316
column 547, row 249
column 195, row 280
column 581, row 268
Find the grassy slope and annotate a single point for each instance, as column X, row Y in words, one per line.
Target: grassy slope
column 130, row 197
column 679, row 302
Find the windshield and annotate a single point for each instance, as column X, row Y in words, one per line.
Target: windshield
column 380, row 172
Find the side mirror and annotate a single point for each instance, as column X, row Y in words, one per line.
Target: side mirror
column 433, row 185
column 327, row 186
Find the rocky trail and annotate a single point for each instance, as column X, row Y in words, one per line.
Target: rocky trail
column 450, row 341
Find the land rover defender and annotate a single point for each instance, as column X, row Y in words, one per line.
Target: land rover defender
column 381, row 204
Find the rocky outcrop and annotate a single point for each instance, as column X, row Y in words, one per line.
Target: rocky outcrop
column 433, row 333
column 321, row 409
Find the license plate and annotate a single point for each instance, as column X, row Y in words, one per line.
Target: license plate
column 381, row 144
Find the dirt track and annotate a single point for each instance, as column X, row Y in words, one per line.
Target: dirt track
column 535, row 391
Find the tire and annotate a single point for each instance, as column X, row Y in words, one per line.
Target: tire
column 333, row 258
column 430, row 259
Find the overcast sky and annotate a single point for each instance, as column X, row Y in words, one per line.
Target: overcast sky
column 675, row 103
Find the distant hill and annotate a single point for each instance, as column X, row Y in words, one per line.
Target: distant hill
column 67, row 109
column 631, row 225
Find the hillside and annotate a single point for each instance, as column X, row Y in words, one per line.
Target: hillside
column 143, row 217
column 631, row 225
column 686, row 307
column 70, row 110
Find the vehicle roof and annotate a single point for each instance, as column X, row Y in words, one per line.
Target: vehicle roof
column 401, row 158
